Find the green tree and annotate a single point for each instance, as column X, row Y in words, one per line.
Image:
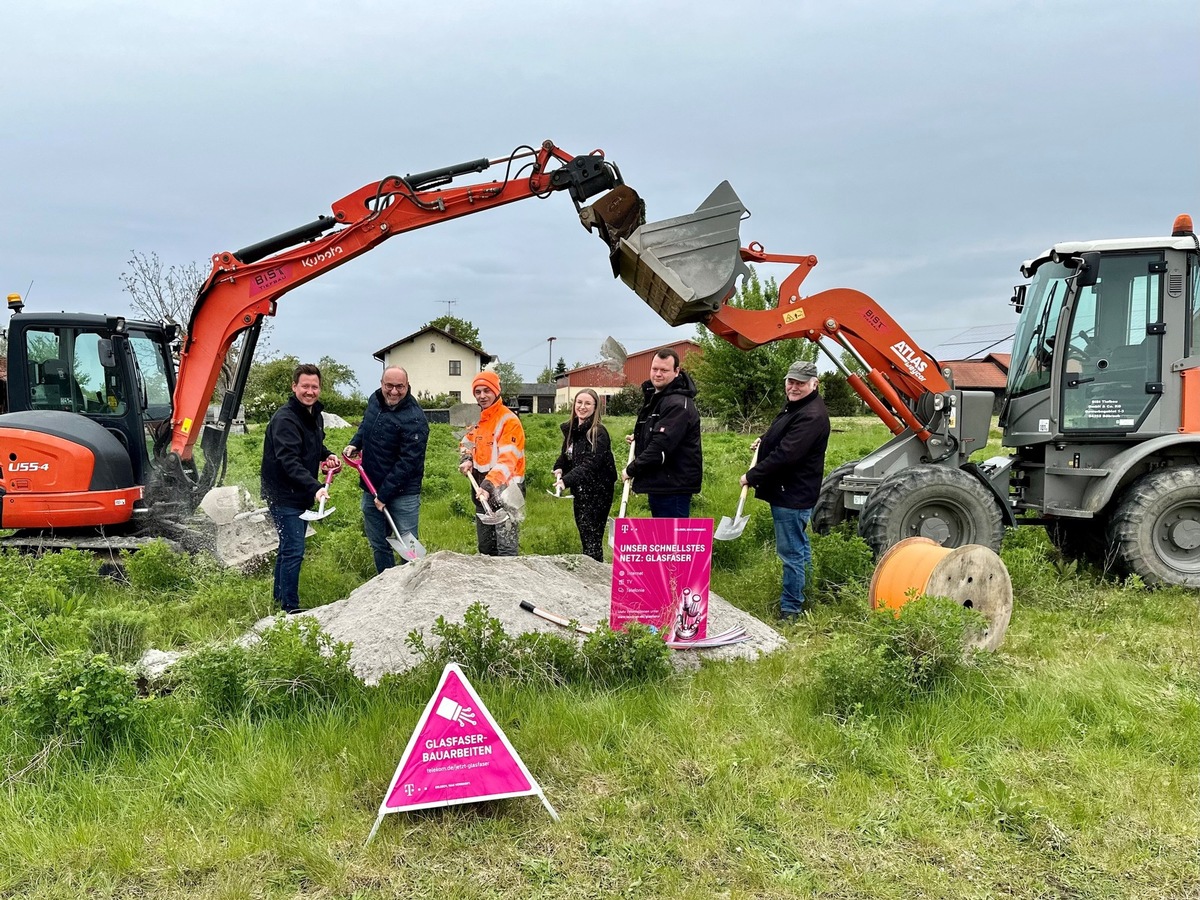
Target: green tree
column 546, row 376
column 625, row 402
column 560, row 367
column 839, row 397
column 334, row 375
column 744, row 388
column 270, row 384
column 460, row 328
column 510, row 380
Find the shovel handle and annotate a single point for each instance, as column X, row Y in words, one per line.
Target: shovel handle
column 746, row 487
column 628, row 485
column 487, row 507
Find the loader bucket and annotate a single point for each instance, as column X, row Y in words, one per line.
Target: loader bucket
column 684, row 268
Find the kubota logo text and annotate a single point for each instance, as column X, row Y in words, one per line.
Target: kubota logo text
column 913, row 361
column 309, row 261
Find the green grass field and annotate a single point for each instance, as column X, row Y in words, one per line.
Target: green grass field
column 1063, row 766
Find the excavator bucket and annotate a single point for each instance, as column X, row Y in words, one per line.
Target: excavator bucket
column 684, row 268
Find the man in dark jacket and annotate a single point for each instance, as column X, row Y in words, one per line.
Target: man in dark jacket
column 293, row 451
column 791, row 463
column 392, row 441
column 668, row 465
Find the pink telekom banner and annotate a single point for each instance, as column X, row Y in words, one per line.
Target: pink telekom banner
column 661, row 571
column 457, row 754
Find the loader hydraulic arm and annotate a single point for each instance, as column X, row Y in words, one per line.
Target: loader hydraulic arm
column 245, row 285
column 897, row 368
column 686, row 269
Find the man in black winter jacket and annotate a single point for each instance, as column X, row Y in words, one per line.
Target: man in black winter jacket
column 791, row 463
column 392, row 440
column 667, row 466
column 293, row 452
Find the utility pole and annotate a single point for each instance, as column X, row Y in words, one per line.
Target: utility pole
column 550, row 355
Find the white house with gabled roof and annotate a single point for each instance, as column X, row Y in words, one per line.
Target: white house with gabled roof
column 437, row 362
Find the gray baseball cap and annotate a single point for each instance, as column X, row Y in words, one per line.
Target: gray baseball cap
column 802, row 371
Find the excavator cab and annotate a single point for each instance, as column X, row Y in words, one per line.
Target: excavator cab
column 87, row 396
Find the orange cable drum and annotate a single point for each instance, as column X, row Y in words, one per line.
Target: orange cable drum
column 973, row 576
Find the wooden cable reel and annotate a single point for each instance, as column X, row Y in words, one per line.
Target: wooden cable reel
column 973, row 576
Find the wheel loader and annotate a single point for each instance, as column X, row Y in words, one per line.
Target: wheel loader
column 1101, row 411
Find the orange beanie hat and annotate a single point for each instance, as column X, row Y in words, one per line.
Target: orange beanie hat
column 488, row 379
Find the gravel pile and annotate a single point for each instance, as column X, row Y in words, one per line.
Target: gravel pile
column 378, row 616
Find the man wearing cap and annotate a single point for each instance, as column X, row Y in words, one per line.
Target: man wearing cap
column 791, row 463
column 493, row 451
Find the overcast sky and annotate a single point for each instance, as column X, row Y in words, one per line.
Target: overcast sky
column 920, row 150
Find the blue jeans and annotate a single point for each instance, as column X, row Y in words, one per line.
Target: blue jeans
column 289, row 557
column 791, row 543
column 405, row 512
column 670, row 506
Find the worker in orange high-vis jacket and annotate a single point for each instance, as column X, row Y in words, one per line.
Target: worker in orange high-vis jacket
column 493, row 453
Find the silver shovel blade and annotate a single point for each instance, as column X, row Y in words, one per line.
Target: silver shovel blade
column 498, row 517
column 314, row 515
column 413, row 548
column 728, row 529
column 685, row 267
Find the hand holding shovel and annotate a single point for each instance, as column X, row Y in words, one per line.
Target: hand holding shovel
column 406, row 545
column 321, row 512
column 612, row 523
column 559, row 487
column 488, row 516
column 728, row 529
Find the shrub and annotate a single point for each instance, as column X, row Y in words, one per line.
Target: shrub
column 215, row 677
column 892, row 659
column 296, row 667
column 840, row 560
column 80, row 695
column 483, row 649
column 156, row 567
column 71, row 571
column 636, row 654
column 626, row 402
column 119, row 631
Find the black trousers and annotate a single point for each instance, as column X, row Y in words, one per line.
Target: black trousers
column 591, row 515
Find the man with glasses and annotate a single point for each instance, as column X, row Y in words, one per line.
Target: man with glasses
column 391, row 439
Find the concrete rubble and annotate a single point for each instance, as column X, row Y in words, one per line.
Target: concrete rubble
column 245, row 535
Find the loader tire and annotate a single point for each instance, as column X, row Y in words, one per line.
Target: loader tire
column 1085, row 540
column 936, row 502
column 830, row 509
column 1155, row 528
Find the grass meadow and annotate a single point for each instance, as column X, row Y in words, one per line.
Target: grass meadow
column 1062, row 766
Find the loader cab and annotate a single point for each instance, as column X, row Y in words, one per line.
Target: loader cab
column 1099, row 322
column 116, row 372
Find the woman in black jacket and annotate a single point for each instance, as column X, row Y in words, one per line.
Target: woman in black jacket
column 586, row 467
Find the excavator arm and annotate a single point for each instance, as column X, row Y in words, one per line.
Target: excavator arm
column 245, row 285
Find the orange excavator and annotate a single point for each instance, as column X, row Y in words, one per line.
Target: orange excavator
column 102, row 431
column 1101, row 410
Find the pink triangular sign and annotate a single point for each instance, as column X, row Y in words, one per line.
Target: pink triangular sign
column 457, row 754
